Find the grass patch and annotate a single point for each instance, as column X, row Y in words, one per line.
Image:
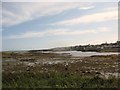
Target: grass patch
column 55, row 80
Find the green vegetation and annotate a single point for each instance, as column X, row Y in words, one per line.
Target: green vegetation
column 42, row 70
column 56, row 80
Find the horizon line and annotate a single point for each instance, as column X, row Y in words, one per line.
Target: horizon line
column 59, row 47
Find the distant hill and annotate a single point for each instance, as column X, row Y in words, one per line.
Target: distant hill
column 104, row 47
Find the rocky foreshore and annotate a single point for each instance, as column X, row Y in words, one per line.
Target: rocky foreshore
column 40, row 63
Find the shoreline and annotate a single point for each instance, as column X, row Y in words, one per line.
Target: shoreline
column 61, row 67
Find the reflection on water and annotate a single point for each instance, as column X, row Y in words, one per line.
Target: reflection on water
column 84, row 54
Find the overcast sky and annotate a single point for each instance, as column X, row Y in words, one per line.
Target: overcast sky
column 55, row 24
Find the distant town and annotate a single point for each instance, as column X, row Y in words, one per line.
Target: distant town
column 104, row 47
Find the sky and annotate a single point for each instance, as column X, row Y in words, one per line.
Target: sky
column 42, row 25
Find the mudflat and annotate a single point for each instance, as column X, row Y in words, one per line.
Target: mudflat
column 53, row 70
